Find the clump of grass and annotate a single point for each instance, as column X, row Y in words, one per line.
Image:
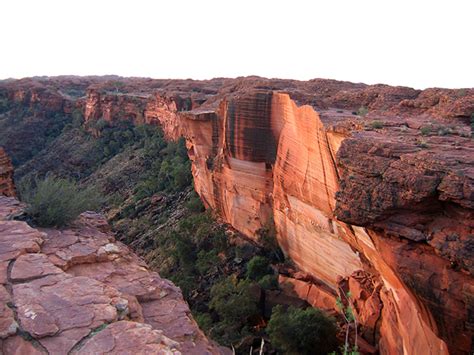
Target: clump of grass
column 425, row 130
column 376, row 124
column 55, row 202
column 461, row 93
column 362, row 111
column 443, row 131
column 422, row 144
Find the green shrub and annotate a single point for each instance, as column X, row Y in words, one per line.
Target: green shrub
column 298, row 331
column 269, row 282
column 233, row 300
column 376, row 124
column 362, row 111
column 206, row 260
column 443, row 131
column 204, row 320
column 425, row 130
column 195, row 204
column 461, row 93
column 100, row 124
column 57, row 202
column 184, row 252
column 422, row 143
column 258, row 267
column 268, row 239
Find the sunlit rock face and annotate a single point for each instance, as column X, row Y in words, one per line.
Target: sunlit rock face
column 357, row 210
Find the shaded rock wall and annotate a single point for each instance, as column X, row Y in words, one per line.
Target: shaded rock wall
column 7, row 188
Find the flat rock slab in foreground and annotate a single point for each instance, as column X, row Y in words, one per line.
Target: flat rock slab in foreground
column 79, row 291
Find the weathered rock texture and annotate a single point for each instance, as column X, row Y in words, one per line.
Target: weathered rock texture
column 380, row 205
column 79, row 291
column 7, row 188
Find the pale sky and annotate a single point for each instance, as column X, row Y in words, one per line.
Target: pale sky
column 417, row 43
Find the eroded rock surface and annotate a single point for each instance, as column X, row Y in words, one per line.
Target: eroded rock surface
column 78, row 290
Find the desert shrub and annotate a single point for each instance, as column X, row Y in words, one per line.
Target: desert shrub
column 57, row 202
column 461, row 93
column 186, row 282
column 422, row 143
column 4, row 104
column 233, row 300
column 206, row 260
column 425, row 130
column 268, row 239
column 258, row 267
column 376, row 124
column 204, row 320
column 298, row 331
column 362, row 111
column 195, row 204
column 269, row 282
column 443, row 131
column 170, row 170
column 185, row 252
column 100, row 124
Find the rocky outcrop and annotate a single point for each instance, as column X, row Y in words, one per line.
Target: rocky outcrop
column 78, row 290
column 7, row 188
column 114, row 107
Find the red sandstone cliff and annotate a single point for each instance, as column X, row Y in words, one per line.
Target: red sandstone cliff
column 375, row 209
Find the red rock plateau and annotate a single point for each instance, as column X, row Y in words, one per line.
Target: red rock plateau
column 380, row 203
column 78, row 291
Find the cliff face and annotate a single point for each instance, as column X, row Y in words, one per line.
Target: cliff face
column 7, row 187
column 359, row 209
column 113, row 107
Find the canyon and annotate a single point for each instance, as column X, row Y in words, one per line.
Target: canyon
column 370, row 189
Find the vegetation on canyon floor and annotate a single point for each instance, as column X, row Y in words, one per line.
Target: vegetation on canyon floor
column 147, row 187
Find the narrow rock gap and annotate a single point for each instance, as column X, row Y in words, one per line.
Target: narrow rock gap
column 91, row 334
column 379, row 319
column 29, row 279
